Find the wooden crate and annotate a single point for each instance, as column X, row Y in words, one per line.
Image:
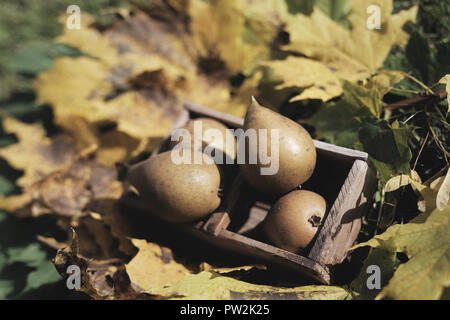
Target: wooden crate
column 342, row 177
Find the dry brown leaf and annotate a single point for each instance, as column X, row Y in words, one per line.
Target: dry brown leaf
column 35, row 153
column 66, row 192
column 100, row 279
column 117, row 225
column 138, row 75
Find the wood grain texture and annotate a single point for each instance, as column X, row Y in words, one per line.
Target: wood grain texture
column 340, row 152
column 217, row 222
column 343, row 221
column 248, row 246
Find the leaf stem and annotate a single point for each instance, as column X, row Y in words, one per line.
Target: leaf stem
column 429, row 91
column 405, row 90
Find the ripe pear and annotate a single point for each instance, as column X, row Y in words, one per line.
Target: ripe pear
column 177, row 192
column 294, row 219
column 222, row 139
column 296, row 155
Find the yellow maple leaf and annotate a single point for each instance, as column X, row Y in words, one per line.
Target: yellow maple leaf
column 137, row 74
column 213, row 286
column 384, row 81
column 239, row 32
column 154, row 270
column 426, row 241
column 153, row 267
column 85, row 93
column 443, row 194
column 35, row 153
column 316, row 80
column 434, row 193
column 352, row 54
column 446, row 80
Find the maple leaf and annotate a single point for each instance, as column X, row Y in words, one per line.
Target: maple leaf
column 446, row 80
column 67, row 191
column 160, row 267
column 155, row 271
column 433, row 193
column 384, row 81
column 211, row 285
column 357, row 103
column 386, row 261
column 57, row 177
column 162, row 270
column 353, row 54
column 426, row 241
column 443, row 194
column 35, row 153
column 316, row 80
column 139, row 72
column 238, row 32
column 100, row 279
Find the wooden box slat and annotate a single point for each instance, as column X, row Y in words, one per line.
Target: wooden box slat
column 343, row 222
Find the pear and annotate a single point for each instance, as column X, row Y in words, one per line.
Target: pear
column 177, row 192
column 294, row 220
column 220, row 139
column 296, row 152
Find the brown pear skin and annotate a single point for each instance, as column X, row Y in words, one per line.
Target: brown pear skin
column 297, row 153
column 177, row 193
column 228, row 142
column 294, row 219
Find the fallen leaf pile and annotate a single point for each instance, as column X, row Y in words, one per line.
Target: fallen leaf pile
column 113, row 104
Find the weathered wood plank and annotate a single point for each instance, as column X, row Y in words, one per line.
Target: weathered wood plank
column 275, row 255
column 340, row 152
column 343, row 221
column 221, row 219
column 217, row 222
column 228, row 119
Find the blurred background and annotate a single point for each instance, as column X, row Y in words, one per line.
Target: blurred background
column 26, row 32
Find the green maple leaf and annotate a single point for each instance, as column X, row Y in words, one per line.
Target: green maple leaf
column 339, row 122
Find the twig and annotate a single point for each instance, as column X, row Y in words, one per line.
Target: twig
column 421, row 149
column 437, row 96
column 438, row 142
